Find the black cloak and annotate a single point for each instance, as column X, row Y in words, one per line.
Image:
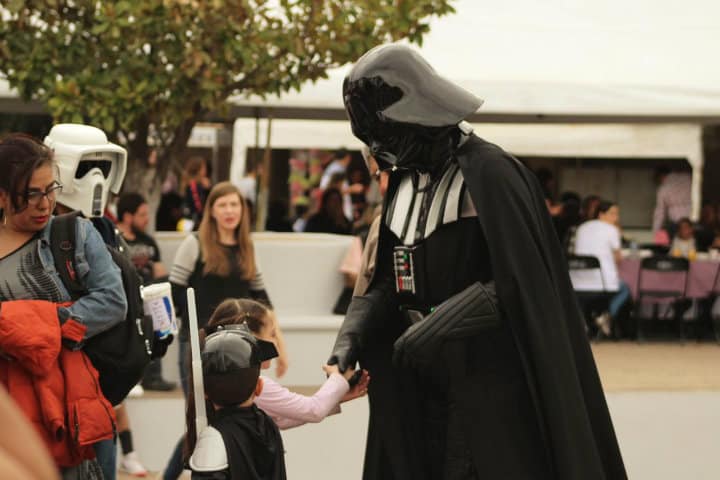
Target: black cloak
column 537, row 301
column 253, row 444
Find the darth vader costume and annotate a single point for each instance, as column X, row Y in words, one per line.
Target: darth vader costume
column 469, row 327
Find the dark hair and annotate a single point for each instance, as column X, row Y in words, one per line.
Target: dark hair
column 20, row 156
column 662, row 170
column 341, row 153
column 235, row 311
column 231, row 388
column 326, row 197
column 588, row 202
column 129, row 203
column 193, row 165
column 684, row 220
column 603, row 207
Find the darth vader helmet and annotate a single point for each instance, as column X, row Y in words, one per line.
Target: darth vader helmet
column 405, row 112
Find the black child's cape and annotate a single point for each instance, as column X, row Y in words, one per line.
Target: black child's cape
column 537, row 298
column 253, row 443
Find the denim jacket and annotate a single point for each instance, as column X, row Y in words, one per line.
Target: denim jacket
column 105, row 304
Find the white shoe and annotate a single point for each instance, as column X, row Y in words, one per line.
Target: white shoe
column 136, row 391
column 603, row 323
column 130, row 463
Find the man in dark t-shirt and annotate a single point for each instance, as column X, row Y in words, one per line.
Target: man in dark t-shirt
column 133, row 217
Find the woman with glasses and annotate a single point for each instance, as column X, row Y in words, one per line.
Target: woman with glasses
column 42, row 365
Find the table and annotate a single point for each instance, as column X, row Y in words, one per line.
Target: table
column 701, row 276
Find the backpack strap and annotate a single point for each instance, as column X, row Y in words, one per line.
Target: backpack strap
column 62, row 246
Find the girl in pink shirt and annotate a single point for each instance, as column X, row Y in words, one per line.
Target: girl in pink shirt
column 288, row 409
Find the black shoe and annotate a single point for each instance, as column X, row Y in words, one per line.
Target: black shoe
column 159, row 385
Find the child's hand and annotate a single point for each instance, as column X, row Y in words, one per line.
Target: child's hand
column 360, row 389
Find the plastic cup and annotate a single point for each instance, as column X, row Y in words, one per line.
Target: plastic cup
column 157, row 303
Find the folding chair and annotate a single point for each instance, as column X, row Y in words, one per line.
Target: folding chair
column 655, row 248
column 662, row 282
column 596, row 301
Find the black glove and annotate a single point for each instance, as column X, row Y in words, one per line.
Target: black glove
column 463, row 315
column 364, row 313
column 160, row 346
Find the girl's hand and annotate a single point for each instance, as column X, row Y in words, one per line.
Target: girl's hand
column 360, row 389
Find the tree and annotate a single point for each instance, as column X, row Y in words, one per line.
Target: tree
column 147, row 71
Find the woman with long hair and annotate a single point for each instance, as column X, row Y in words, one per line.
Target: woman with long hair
column 218, row 262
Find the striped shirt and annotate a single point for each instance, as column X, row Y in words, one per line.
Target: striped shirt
column 187, row 256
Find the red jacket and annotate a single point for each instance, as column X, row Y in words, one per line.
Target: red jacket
column 55, row 387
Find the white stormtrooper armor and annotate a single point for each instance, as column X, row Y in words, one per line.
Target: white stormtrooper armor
column 89, row 166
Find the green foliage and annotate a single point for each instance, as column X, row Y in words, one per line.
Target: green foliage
column 153, row 68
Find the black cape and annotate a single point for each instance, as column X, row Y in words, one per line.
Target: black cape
column 537, row 298
column 253, row 443
column 538, row 301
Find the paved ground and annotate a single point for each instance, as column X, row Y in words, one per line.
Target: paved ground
column 663, row 398
column 631, row 367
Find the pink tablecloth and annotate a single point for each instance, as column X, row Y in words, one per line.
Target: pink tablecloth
column 700, row 282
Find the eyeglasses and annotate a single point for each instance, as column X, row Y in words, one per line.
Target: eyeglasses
column 34, row 197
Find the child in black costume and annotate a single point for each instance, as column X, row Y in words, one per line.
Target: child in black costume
column 242, row 441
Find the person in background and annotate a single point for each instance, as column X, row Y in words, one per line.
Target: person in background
column 358, row 198
column 330, row 218
column 588, row 208
column 170, row 210
column 673, row 199
column 588, row 211
column 708, row 228
column 340, row 163
column 683, row 244
column 277, row 219
column 568, row 218
column 133, row 217
column 302, row 213
column 130, row 462
column 338, row 169
column 196, row 185
column 548, row 185
column 601, row 238
column 365, row 266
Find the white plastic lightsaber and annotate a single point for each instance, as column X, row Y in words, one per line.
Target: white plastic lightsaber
column 198, row 388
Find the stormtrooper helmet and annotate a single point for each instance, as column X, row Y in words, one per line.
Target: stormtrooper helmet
column 89, row 166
